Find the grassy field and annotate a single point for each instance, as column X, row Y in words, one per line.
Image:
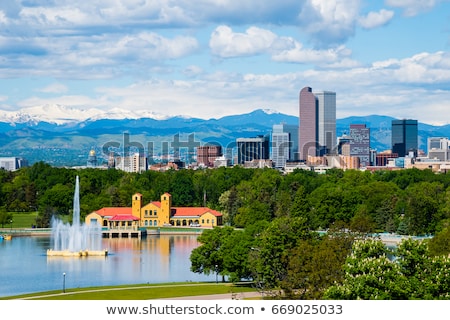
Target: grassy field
column 26, row 220
column 23, row 220
column 139, row 292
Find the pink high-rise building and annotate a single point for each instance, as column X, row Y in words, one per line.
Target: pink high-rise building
column 317, row 133
column 308, row 124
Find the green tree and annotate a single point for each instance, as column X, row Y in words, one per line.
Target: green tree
column 414, row 274
column 59, row 197
column 423, row 200
column 316, row 264
column 229, row 203
column 440, row 243
column 270, row 256
column 5, row 217
column 209, row 256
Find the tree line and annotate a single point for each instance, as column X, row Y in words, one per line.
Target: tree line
column 412, row 201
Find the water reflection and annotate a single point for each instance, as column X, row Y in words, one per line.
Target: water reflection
column 25, row 267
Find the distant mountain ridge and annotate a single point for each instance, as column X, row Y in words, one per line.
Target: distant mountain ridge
column 68, row 143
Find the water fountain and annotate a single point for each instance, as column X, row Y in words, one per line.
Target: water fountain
column 76, row 240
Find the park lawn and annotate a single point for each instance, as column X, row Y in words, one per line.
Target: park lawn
column 139, row 292
column 23, row 220
column 27, row 220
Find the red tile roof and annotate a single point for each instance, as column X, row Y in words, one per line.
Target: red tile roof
column 193, row 211
column 156, row 203
column 124, row 217
column 112, row 211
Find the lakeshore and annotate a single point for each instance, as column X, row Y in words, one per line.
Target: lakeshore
column 389, row 239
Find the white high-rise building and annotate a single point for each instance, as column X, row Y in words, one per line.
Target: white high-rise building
column 12, row 163
column 132, row 163
column 280, row 146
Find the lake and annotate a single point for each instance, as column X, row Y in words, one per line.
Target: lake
column 25, row 267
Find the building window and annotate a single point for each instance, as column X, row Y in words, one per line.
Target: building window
column 212, row 221
column 146, row 222
column 150, row 221
column 207, row 221
column 151, row 212
column 146, row 212
column 203, row 221
column 155, row 223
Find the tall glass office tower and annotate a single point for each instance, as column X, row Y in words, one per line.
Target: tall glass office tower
column 284, row 144
column 404, row 137
column 317, row 134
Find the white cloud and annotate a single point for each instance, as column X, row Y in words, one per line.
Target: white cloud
column 192, row 71
column 413, row 7
column 329, row 22
column 102, row 56
column 227, row 44
column 299, row 54
column 54, row 88
column 376, row 19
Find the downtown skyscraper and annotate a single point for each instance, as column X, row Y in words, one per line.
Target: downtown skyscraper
column 404, row 137
column 317, row 134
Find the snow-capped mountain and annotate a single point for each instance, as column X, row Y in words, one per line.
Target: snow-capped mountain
column 59, row 114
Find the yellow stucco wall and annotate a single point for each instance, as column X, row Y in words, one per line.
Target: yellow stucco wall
column 149, row 215
column 93, row 216
column 166, row 204
column 136, row 205
column 208, row 220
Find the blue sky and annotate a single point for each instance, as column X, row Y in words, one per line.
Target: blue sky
column 211, row 58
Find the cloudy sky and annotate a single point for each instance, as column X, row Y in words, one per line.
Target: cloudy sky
column 210, row 58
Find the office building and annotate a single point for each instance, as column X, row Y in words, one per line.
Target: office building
column 326, row 103
column 132, row 163
column 438, row 148
column 206, row 155
column 360, row 143
column 12, row 163
column 284, row 144
column 343, row 145
column 404, row 137
column 317, row 134
column 250, row 149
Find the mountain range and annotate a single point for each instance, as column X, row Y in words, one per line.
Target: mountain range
column 67, row 141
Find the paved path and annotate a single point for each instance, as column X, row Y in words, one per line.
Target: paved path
column 226, row 296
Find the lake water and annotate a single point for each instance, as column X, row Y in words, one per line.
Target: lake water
column 25, row 267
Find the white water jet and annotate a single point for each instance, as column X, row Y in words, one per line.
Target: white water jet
column 77, row 237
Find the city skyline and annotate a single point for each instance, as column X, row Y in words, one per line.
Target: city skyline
column 214, row 58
